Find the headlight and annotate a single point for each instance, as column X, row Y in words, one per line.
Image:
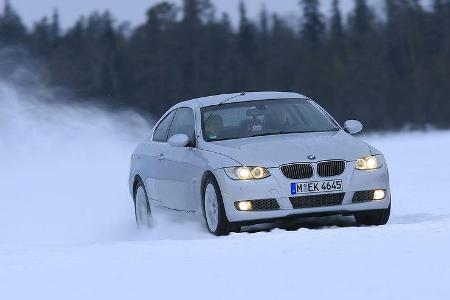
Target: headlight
column 369, row 163
column 247, row 173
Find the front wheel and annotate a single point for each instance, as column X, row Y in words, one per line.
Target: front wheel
column 380, row 217
column 142, row 208
column 213, row 209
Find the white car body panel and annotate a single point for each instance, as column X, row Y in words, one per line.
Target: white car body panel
column 173, row 175
column 183, row 169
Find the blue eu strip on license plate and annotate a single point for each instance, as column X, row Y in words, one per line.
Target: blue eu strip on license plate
column 293, row 188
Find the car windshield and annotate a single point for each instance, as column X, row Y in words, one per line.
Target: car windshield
column 263, row 117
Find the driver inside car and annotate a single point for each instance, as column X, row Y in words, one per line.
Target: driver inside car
column 214, row 127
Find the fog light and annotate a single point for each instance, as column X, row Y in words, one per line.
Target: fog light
column 378, row 194
column 244, row 205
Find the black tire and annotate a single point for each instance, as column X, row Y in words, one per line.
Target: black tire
column 376, row 218
column 223, row 225
column 142, row 223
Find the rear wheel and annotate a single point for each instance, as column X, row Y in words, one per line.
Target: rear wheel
column 376, row 218
column 142, row 207
column 213, row 209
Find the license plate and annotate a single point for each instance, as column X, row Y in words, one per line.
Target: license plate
column 316, row 187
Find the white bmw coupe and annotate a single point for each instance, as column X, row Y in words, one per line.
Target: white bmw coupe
column 248, row 158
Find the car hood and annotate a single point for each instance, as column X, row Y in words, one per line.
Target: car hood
column 276, row 150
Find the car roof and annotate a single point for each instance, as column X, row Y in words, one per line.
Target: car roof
column 239, row 97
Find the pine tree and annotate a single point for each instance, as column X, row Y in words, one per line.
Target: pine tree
column 196, row 12
column 337, row 28
column 312, row 26
column 246, row 34
column 361, row 21
column 12, row 30
column 264, row 22
column 45, row 36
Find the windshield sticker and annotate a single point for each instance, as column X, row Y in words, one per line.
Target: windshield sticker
column 255, row 128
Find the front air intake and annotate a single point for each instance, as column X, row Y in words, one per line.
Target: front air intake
column 363, row 196
column 317, row 200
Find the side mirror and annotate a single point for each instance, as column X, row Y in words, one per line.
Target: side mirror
column 353, row 126
column 178, row 140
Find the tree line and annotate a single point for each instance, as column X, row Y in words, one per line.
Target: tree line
column 386, row 70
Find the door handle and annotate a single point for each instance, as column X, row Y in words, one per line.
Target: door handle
column 161, row 156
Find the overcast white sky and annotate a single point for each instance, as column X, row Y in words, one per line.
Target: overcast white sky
column 134, row 10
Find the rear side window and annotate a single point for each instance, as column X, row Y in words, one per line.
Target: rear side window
column 183, row 123
column 160, row 134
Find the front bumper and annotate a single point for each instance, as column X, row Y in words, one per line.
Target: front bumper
column 277, row 186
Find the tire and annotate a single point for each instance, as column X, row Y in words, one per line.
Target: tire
column 213, row 208
column 376, row 218
column 142, row 209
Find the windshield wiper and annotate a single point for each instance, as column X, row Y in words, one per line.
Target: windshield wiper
column 270, row 133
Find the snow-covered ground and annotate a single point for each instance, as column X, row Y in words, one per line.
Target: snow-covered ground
column 67, row 230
